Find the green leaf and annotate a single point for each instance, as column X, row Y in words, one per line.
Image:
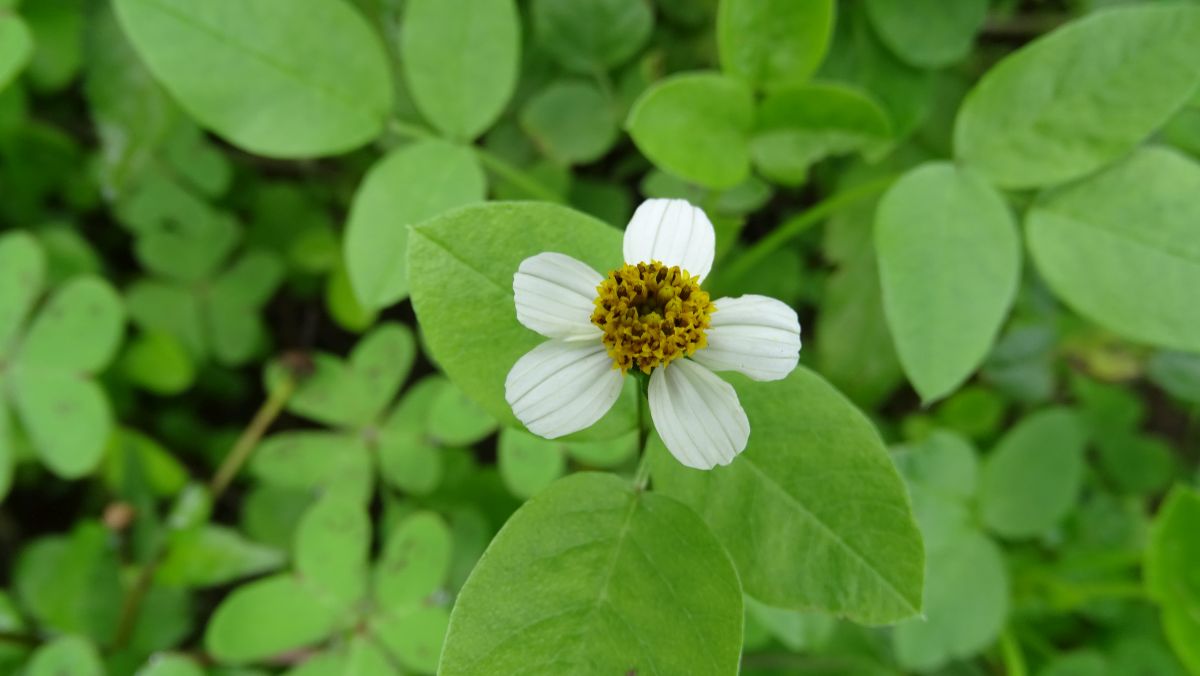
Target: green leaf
column 461, row 267
column 22, row 274
column 1034, row 475
column 211, row 556
column 529, row 463
column 813, row 512
column 360, row 657
column 1177, row 373
column 798, row 126
column 772, row 43
column 234, row 303
column 415, row 637
column 461, row 60
column 309, row 459
column 410, row 185
column 605, row 454
column 1172, row 572
column 66, row 655
column 265, row 618
column 949, row 264
column 591, row 36
column 456, row 420
column 943, row 463
column 271, row 80
column 928, row 33
column 70, row 584
column 58, row 29
column 1084, row 662
column 16, row 48
column 1081, row 97
column 571, row 121
column 383, row 359
column 408, row 458
column 332, row 546
column 171, row 665
column 964, row 610
column 159, row 362
column 67, row 419
column 78, row 330
column 1112, row 242
column 155, row 306
column 593, row 577
column 799, row 630
column 697, row 127
column 414, row 563
column 133, row 456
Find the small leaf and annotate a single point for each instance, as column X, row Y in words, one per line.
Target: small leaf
column 66, row 655
column 1081, row 97
column 572, row 121
column 159, row 362
column 697, row 127
column 382, row 359
column 22, row 274
column 170, row 665
column 408, row 458
column 78, row 330
column 928, row 33
column 414, row 637
column 332, row 546
column 414, row 562
column 67, row 418
column 16, row 48
column 799, row 630
column 590, row 36
column 70, row 584
column 310, row 459
column 211, row 556
column 771, row 43
column 461, row 72
column 813, row 512
column 265, row 618
column 1109, row 243
column 1172, row 571
column 943, row 463
column 456, row 420
column 461, row 267
column 529, row 463
column 271, row 80
column 409, row 185
column 593, row 577
column 1034, row 475
column 949, row 264
column 234, row 302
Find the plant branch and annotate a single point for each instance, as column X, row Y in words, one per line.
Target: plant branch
column 250, row 437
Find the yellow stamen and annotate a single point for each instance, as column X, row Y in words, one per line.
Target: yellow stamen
column 651, row 315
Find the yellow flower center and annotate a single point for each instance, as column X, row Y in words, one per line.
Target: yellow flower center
column 651, row 315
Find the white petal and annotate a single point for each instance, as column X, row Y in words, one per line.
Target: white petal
column 555, row 296
column 697, row 415
column 673, row 232
column 753, row 335
column 561, row 387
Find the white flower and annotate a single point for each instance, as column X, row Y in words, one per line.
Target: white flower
column 650, row 314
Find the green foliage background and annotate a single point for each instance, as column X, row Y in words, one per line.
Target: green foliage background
column 256, row 313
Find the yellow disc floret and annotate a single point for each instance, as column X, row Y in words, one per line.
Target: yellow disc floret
column 651, row 315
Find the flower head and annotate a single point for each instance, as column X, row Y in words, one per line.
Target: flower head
column 650, row 314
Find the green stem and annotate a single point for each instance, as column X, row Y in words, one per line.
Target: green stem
column 797, row 224
column 522, row 180
column 248, row 441
column 1010, row 652
column 641, row 478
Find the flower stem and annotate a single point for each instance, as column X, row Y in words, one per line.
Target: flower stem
column 641, row 478
column 797, row 224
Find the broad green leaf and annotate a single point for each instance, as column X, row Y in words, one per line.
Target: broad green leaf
column 16, row 48
column 306, row 459
column 798, row 126
column 1081, row 97
column 414, row 562
column 66, row 655
column 70, row 584
column 410, row 185
column 415, row 637
column 408, row 458
column 949, row 264
column 269, row 79
column 591, row 36
column 771, row 43
column 529, row 463
column 461, row 61
column 22, row 274
column 456, row 420
column 593, row 577
column 928, row 33
column 78, row 330
column 696, row 126
column 67, row 418
column 461, row 267
column 965, row 606
column 332, row 546
column 1034, row 475
column 813, row 512
column 210, row 556
column 1121, row 247
column 571, row 121
column 171, row 665
column 1172, row 572
column 265, row 618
